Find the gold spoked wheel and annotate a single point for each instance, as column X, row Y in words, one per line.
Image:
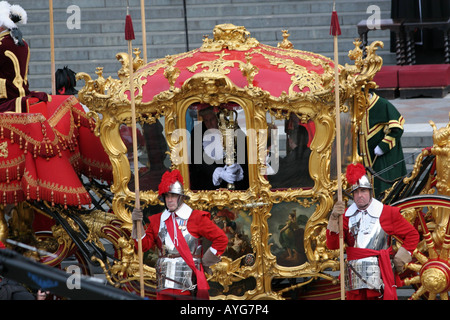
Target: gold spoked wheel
column 431, row 266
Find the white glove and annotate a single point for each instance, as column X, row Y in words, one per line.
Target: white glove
column 216, row 176
column 230, row 174
column 237, row 170
column 378, row 151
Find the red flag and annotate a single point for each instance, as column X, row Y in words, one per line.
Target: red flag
column 335, row 29
column 129, row 31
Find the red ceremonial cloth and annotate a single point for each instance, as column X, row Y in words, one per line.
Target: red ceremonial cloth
column 182, row 247
column 31, row 132
column 53, row 180
column 76, row 132
column 76, row 135
column 28, row 142
column 41, row 158
column 390, row 293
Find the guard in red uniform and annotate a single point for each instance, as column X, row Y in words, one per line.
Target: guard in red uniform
column 368, row 225
column 177, row 233
column 14, row 57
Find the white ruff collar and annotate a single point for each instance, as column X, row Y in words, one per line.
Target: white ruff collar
column 183, row 212
column 374, row 209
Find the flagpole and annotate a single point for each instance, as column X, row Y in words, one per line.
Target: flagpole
column 52, row 47
column 335, row 30
column 129, row 36
column 144, row 32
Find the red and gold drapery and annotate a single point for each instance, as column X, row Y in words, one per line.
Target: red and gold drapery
column 42, row 157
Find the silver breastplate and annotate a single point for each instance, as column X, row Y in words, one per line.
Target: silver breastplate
column 172, row 271
column 368, row 234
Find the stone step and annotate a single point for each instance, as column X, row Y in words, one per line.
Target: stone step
column 411, row 154
column 413, row 142
column 417, row 139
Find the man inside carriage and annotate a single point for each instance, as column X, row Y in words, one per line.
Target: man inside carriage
column 211, row 171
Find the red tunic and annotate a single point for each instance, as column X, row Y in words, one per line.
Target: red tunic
column 199, row 225
column 391, row 221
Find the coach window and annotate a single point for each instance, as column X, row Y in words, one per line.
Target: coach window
column 289, row 152
column 218, row 157
column 153, row 160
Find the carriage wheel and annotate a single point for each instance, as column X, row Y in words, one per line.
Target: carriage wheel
column 431, row 266
column 62, row 254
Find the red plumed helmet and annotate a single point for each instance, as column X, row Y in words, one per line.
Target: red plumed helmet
column 172, row 182
column 356, row 176
column 354, row 172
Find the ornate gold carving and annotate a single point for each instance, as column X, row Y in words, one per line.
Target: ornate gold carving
column 215, row 66
column 171, row 73
column 301, row 77
column 125, row 269
column 441, row 148
column 228, row 36
column 227, row 126
column 434, row 280
column 285, row 44
column 248, row 70
column 224, row 269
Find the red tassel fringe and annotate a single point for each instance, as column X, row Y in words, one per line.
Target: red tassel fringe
column 39, row 139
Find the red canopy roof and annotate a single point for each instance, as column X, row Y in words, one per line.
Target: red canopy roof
column 277, row 70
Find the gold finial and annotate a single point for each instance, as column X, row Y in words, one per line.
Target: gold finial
column 229, row 36
column 285, row 44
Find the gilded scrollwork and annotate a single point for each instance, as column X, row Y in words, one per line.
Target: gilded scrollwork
column 171, row 73
column 249, row 70
column 224, row 269
column 301, row 77
column 230, row 37
column 285, row 44
column 441, row 143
